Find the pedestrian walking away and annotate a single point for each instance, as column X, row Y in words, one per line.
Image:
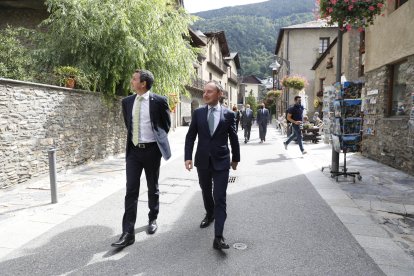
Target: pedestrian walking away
column 262, row 119
column 147, row 120
column 247, row 120
column 295, row 116
column 215, row 126
column 237, row 113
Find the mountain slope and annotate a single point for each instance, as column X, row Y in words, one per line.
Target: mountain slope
column 252, row 29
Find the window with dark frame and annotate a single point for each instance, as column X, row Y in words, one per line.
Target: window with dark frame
column 361, row 54
column 323, row 44
column 397, row 104
column 210, row 76
column 399, row 3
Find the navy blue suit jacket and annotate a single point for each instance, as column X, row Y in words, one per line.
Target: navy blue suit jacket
column 212, row 146
column 160, row 121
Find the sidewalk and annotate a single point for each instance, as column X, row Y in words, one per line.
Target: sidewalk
column 384, row 194
column 26, row 210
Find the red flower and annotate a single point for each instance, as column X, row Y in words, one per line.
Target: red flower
column 350, row 7
column 348, row 27
column 371, row 8
column 380, row 5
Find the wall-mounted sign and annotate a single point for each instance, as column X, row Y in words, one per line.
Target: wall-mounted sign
column 372, row 92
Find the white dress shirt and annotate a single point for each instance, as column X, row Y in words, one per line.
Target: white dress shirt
column 216, row 114
column 146, row 135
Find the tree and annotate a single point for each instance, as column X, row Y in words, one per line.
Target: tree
column 110, row 39
column 251, row 100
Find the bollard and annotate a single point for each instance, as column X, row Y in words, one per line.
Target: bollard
column 52, row 173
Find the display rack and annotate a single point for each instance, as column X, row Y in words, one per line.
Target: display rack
column 346, row 126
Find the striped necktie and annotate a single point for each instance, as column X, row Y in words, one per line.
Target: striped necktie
column 211, row 120
column 135, row 121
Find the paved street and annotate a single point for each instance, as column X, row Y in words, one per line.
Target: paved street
column 293, row 219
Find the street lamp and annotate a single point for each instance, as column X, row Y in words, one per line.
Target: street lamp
column 275, row 71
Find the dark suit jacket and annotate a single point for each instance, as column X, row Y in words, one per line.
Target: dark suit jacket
column 160, row 118
column 262, row 117
column 215, row 146
column 247, row 119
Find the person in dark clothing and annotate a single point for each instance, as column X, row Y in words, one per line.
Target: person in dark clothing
column 237, row 113
column 295, row 116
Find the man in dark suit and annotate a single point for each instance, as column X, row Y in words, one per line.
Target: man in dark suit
column 214, row 125
column 247, row 119
column 147, row 119
column 262, row 120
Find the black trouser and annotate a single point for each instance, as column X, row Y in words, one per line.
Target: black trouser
column 214, row 195
column 149, row 159
column 262, row 130
column 247, row 129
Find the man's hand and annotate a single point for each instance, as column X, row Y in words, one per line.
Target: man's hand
column 297, row 123
column 234, row 165
column 188, row 164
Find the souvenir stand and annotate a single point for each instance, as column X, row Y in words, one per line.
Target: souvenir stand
column 346, row 128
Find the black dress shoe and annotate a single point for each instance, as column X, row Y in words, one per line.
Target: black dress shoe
column 125, row 240
column 152, row 227
column 206, row 221
column 219, row 243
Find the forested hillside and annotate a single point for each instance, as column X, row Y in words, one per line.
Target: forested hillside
column 252, row 29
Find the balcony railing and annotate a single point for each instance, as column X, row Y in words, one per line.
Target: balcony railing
column 217, row 64
column 197, row 83
column 233, row 77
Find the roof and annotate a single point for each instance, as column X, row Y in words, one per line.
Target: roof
column 196, row 39
column 224, row 47
column 251, row 79
column 234, row 56
column 315, row 24
column 320, row 59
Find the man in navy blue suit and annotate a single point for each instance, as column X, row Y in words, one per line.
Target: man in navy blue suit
column 147, row 120
column 214, row 125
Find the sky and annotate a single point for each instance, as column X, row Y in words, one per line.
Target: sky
column 193, row 6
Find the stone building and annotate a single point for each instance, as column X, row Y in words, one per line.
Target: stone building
column 389, row 86
column 214, row 62
column 302, row 45
column 351, row 69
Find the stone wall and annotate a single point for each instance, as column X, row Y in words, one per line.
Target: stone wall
column 35, row 117
column 392, row 138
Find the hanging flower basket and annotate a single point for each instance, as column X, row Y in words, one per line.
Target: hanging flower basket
column 274, row 93
column 294, row 82
column 351, row 13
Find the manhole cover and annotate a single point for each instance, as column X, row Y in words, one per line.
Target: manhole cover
column 232, row 179
column 239, row 246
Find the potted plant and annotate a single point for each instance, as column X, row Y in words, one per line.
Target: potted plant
column 294, row 82
column 71, row 77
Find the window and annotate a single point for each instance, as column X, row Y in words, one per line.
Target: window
column 399, row 3
column 210, row 76
column 323, row 44
column 361, row 54
column 397, row 100
column 321, row 84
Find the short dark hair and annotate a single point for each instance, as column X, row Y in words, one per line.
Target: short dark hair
column 297, row 97
column 146, row 75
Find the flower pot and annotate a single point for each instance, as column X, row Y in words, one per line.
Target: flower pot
column 70, row 83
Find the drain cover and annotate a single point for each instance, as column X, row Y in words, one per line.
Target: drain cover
column 239, row 246
column 232, row 179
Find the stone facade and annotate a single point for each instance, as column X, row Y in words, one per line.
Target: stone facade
column 392, row 138
column 34, row 117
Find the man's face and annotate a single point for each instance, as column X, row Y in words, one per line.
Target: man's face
column 298, row 101
column 211, row 96
column 262, row 106
column 136, row 83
